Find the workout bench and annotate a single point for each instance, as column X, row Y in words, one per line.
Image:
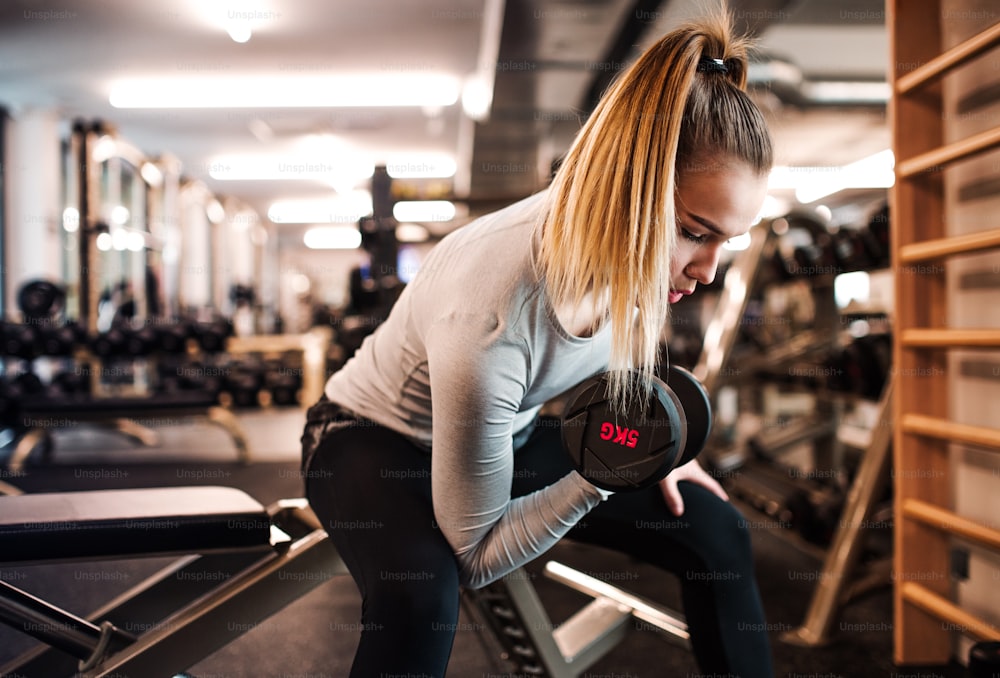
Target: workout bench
column 269, row 557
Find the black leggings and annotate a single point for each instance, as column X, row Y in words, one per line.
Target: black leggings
column 371, row 489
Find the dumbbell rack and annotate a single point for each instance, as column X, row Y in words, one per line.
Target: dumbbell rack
column 841, row 578
column 511, row 609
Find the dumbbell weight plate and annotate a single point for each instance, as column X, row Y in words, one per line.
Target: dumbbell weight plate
column 697, row 410
column 622, row 451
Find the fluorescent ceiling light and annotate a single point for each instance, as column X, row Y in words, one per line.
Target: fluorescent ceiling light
column 813, row 183
column 421, row 166
column 832, row 92
column 338, row 169
column 332, row 238
column 345, row 208
column 239, row 32
column 875, row 171
column 424, row 210
column 373, row 89
column 411, row 233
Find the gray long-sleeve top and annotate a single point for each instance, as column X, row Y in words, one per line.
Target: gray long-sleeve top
column 474, row 340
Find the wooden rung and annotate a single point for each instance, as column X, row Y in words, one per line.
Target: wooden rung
column 940, row 248
column 948, row 430
column 950, row 338
column 943, row 155
column 954, row 57
column 948, row 521
column 946, row 610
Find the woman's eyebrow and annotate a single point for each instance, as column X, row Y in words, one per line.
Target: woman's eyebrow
column 706, row 223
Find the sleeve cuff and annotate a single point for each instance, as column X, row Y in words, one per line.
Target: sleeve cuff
column 589, row 486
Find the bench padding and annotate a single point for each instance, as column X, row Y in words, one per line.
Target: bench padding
column 129, row 522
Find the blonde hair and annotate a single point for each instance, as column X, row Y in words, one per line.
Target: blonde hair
column 609, row 225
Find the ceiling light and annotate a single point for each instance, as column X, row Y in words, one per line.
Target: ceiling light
column 424, row 210
column 239, row 32
column 427, row 166
column 837, row 92
column 477, row 98
column 103, row 241
column 411, row 233
column 875, row 171
column 332, row 238
column 344, row 208
column 373, row 89
column 341, row 170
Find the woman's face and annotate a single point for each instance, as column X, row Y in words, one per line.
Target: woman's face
column 712, row 205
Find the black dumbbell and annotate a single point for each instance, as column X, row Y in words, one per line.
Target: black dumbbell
column 141, row 341
column 243, row 383
column 40, row 299
column 212, row 336
column 21, row 341
column 637, row 448
column 850, row 251
column 109, row 344
column 173, row 338
column 68, row 383
column 60, row 340
column 283, row 382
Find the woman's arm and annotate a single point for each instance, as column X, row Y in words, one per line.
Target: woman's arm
column 477, row 388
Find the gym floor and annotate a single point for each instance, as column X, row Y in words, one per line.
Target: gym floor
column 315, row 636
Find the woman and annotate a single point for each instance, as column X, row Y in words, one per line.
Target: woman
column 423, row 460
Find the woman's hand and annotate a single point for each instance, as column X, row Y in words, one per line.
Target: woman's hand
column 692, row 472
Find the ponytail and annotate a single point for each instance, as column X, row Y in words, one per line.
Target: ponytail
column 609, row 227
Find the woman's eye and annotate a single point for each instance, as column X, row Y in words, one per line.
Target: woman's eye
column 693, row 237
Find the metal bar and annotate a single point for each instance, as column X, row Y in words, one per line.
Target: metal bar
column 51, row 625
column 218, row 618
column 945, row 155
column 942, row 519
column 935, row 427
column 954, row 57
column 939, row 248
column 842, row 557
column 651, row 613
column 950, row 338
column 592, row 631
column 944, row 609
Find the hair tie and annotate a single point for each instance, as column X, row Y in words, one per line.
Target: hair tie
column 710, row 65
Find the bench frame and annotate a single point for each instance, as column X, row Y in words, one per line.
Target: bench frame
column 181, row 623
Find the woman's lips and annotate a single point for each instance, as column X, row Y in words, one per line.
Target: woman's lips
column 675, row 295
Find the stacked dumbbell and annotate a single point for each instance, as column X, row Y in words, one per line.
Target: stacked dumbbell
column 191, row 356
column 258, row 381
column 42, row 333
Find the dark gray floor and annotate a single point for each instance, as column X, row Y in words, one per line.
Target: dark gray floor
column 315, row 636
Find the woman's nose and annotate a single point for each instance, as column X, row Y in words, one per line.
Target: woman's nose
column 704, row 264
